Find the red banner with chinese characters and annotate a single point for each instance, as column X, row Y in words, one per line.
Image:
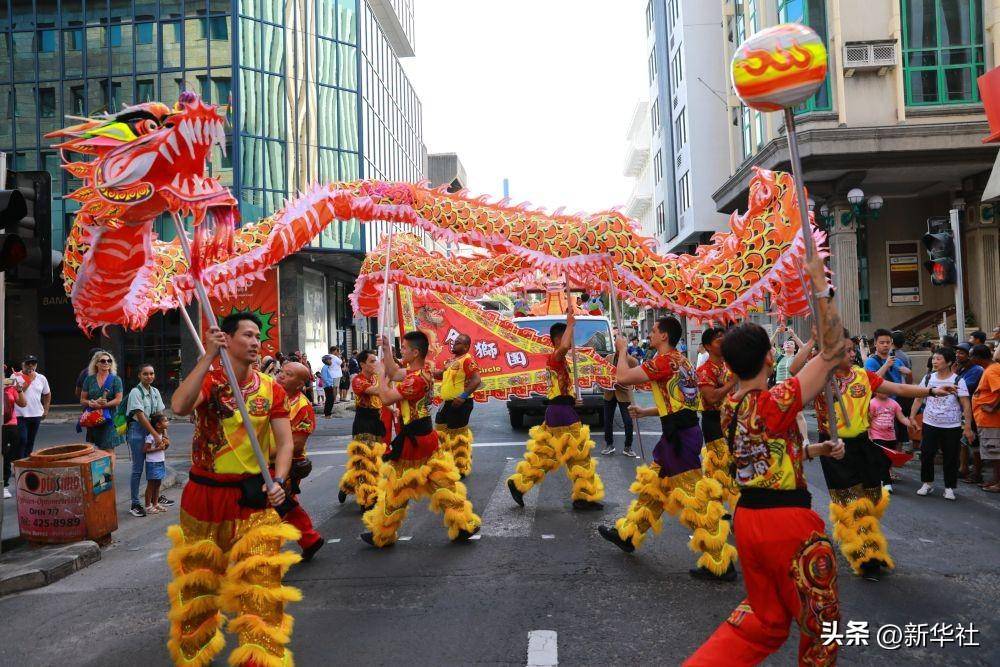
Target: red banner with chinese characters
column 261, row 299
column 511, row 359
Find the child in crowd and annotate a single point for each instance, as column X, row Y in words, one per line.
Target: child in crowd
column 156, row 467
column 883, row 412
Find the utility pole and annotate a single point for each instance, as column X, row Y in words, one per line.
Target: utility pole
column 3, row 322
column 956, row 234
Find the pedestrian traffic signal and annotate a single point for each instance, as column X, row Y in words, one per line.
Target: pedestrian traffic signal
column 12, row 210
column 941, row 252
column 34, row 227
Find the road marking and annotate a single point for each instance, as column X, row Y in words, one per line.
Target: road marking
column 515, row 443
column 543, row 648
column 406, row 538
column 333, row 540
column 503, row 518
column 475, row 537
column 548, row 537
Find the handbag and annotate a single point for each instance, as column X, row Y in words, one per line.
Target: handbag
column 92, row 418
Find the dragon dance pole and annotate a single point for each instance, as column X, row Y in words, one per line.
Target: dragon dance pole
column 190, row 325
column 572, row 343
column 227, row 364
column 384, row 306
column 617, row 310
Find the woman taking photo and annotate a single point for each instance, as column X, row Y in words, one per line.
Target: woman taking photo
column 947, row 417
column 102, row 391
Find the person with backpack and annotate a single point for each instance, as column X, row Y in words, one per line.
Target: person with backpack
column 100, row 396
column 143, row 402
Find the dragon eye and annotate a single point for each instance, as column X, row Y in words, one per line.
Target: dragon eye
column 145, row 126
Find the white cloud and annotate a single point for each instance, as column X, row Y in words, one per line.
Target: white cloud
column 538, row 91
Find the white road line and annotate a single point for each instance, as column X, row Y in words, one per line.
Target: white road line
column 333, row 540
column 516, row 443
column 503, row 518
column 548, row 537
column 543, row 648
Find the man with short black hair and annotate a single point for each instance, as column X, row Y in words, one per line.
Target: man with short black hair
column 561, row 439
column 415, row 466
column 971, row 373
column 674, row 481
column 715, row 381
column 38, row 397
column 977, row 337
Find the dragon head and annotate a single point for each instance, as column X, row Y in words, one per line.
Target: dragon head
column 145, row 160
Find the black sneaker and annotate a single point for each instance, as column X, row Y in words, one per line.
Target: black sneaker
column 341, row 496
column 366, row 509
column 137, row 510
column 515, row 493
column 871, row 570
column 610, row 533
column 629, row 452
column 163, row 501
column 587, row 505
column 608, row 450
column 368, row 538
column 464, row 535
column 704, row 574
column 310, row 551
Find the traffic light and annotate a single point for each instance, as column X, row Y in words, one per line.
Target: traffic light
column 34, row 227
column 940, row 247
column 12, row 210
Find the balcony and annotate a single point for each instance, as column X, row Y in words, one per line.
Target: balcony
column 641, row 199
column 636, row 156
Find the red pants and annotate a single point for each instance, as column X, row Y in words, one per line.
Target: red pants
column 790, row 571
column 299, row 518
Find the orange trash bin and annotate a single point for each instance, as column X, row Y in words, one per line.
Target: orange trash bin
column 66, row 494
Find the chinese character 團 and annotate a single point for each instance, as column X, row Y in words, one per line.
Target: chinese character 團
column 516, row 359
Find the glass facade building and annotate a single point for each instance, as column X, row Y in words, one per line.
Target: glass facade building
column 316, row 89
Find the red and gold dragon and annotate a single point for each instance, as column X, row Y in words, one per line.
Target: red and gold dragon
column 150, row 160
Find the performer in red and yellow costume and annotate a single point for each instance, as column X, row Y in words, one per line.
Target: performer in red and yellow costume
column 293, row 377
column 857, row 499
column 561, row 439
column 459, row 380
column 789, row 566
column 674, row 481
column 226, row 554
column 364, row 454
column 715, row 382
column 415, row 466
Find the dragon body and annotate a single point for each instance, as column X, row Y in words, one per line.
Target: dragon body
column 149, row 160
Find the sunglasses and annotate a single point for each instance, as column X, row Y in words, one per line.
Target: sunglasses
column 104, row 361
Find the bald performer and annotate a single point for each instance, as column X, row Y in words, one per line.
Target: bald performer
column 459, row 380
column 293, row 377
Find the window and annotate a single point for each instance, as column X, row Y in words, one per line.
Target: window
column 74, row 39
column 746, row 130
column 216, row 27
column 76, row 94
column 677, row 66
column 47, row 41
column 683, row 193
column 681, row 129
column 652, row 67
column 675, row 13
column 661, row 220
column 654, row 116
column 649, row 16
column 758, row 121
column 658, row 168
column 144, row 33
column 47, row 102
column 942, row 51
column 113, row 35
column 145, row 90
column 813, row 14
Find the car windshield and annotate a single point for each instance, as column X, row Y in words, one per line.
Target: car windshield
column 589, row 333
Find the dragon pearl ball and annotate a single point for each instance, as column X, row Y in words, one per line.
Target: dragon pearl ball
column 779, row 67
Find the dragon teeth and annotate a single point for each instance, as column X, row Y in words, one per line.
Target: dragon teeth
column 165, row 152
column 172, row 142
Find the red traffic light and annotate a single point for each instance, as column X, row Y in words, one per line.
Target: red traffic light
column 942, row 271
column 12, row 251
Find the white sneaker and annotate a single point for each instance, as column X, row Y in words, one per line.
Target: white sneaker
column 6, row 493
column 949, row 494
column 887, row 487
column 924, row 490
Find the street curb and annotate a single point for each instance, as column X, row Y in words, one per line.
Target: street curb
column 25, row 569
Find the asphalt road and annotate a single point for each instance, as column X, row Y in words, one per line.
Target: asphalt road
column 542, row 568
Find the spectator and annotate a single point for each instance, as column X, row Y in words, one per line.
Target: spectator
column 634, row 350
column 38, row 397
column 982, row 355
column 949, row 341
column 353, row 368
column 943, row 423
column 338, row 374
column 102, row 390
column 781, row 368
column 970, row 372
column 155, row 450
column 977, row 337
column 13, row 395
column 905, row 402
column 84, row 372
column 996, row 337
column 884, row 413
column 898, row 340
column 143, row 402
column 621, row 397
column 271, row 365
column 986, row 410
column 330, row 384
column 884, row 363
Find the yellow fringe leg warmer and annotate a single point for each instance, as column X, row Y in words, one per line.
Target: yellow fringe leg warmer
column 399, row 483
column 364, row 457
column 696, row 500
column 645, row 511
column 458, row 441
column 198, row 565
column 448, row 494
column 715, row 465
column 252, row 594
column 540, row 458
column 855, row 514
column 573, row 446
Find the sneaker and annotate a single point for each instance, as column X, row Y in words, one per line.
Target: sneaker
column 888, row 488
column 369, row 538
column 610, row 533
column 704, row 574
column 6, row 493
column 628, row 452
column 137, row 510
column 310, row 551
column 608, row 450
column 924, row 490
column 949, row 494
column 587, row 505
column 515, row 493
column 871, row 570
column 464, row 535
column 163, row 501
column 341, row 496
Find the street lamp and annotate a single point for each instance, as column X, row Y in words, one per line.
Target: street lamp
column 812, row 204
column 856, row 196
column 875, row 203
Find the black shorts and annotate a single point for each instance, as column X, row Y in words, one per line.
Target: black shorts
column 863, row 464
column 453, row 417
column 368, row 421
column 345, row 382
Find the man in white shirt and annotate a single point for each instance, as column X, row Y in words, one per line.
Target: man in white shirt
column 38, row 397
